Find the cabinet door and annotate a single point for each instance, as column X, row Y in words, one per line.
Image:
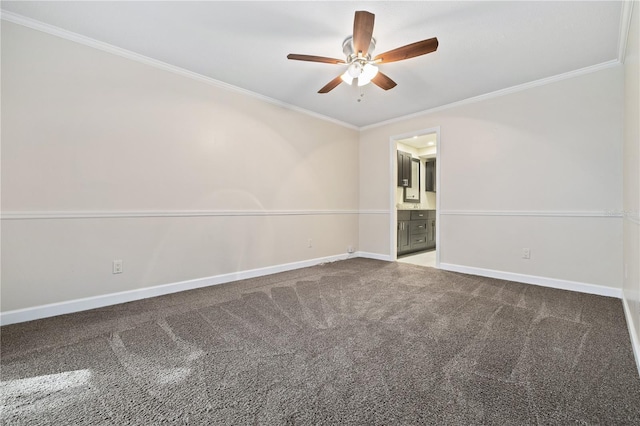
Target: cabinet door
column 400, row 166
column 430, row 176
column 404, row 242
column 431, row 233
column 404, row 169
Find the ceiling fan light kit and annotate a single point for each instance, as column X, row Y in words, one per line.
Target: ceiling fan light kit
column 360, row 67
column 358, row 50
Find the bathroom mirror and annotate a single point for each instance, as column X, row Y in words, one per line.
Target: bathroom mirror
column 412, row 193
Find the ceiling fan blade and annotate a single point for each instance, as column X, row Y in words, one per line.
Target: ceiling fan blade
column 331, row 85
column 409, row 51
column 311, row 58
column 383, row 81
column 362, row 31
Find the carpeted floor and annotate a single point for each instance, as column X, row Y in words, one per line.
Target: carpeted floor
column 352, row 342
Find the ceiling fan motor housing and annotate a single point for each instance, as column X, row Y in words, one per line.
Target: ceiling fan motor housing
column 348, row 49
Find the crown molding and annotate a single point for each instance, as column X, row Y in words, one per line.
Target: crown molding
column 498, row 93
column 625, row 24
column 106, row 47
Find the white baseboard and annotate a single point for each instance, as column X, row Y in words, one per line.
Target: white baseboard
column 77, row 305
column 633, row 333
column 600, row 290
column 375, row 256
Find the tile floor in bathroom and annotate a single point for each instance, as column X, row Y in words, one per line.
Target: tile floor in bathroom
column 423, row 258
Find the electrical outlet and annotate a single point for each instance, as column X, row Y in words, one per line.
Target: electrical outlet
column 350, row 249
column 526, row 253
column 117, row 267
column 309, row 243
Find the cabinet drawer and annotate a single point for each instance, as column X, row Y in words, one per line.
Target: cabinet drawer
column 418, row 214
column 418, row 241
column 404, row 215
column 418, row 227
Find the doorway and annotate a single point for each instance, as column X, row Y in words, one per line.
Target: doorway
column 415, row 222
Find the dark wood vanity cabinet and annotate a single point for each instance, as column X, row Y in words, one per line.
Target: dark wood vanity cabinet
column 416, row 230
column 404, row 169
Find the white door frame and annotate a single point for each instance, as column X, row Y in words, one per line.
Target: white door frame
column 393, row 212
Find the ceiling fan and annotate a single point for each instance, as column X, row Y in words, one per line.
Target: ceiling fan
column 358, row 49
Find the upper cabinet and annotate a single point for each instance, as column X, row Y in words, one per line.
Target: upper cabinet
column 430, row 175
column 412, row 192
column 404, row 169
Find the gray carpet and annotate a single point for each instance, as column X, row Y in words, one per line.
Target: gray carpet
column 352, row 342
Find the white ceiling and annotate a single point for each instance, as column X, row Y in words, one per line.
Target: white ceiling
column 484, row 46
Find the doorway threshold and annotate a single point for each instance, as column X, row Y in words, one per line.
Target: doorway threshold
column 423, row 258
